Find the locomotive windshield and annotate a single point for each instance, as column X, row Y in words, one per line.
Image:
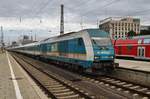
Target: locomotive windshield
column 101, row 41
column 99, row 37
column 98, row 33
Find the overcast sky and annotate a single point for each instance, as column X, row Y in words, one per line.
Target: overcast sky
column 44, row 15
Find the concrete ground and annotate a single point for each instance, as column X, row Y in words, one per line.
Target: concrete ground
column 15, row 82
column 134, row 64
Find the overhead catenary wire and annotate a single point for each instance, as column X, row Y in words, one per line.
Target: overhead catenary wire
column 91, row 11
column 47, row 3
column 109, row 3
column 102, row 7
column 41, row 8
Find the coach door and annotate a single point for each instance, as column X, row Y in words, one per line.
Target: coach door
column 141, row 51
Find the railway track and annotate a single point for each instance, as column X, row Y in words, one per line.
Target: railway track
column 55, row 87
column 120, row 87
column 129, row 88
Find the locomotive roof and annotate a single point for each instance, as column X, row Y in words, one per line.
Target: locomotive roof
column 59, row 36
column 92, row 32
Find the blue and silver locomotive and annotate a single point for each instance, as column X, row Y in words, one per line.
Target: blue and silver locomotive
column 89, row 49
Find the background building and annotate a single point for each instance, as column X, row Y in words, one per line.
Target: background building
column 119, row 27
column 145, row 30
column 25, row 39
column 144, row 27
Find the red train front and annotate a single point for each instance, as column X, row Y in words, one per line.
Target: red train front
column 138, row 48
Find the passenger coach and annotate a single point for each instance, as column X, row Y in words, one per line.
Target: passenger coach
column 138, row 48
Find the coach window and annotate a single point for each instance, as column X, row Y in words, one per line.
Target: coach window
column 143, row 51
column 54, row 47
column 146, row 41
column 48, row 47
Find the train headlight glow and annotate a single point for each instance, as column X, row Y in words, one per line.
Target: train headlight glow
column 111, row 56
column 98, row 52
column 96, row 57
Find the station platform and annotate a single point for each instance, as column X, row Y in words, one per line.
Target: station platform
column 134, row 64
column 15, row 82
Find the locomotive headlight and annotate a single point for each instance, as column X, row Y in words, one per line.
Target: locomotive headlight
column 96, row 57
column 111, row 56
column 98, row 52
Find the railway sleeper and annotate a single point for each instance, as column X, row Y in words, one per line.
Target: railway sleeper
column 58, row 88
column 114, row 81
column 134, row 87
column 76, row 96
column 52, row 83
column 143, row 89
column 107, row 79
column 121, row 83
column 62, row 90
column 128, row 85
column 110, row 80
column 68, row 94
column 55, row 86
column 64, row 93
column 148, row 92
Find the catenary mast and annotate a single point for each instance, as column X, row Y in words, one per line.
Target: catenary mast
column 62, row 20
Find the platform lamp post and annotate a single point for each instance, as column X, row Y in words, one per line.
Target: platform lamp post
column 62, row 20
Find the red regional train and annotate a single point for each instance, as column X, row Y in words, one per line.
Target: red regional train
column 137, row 48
